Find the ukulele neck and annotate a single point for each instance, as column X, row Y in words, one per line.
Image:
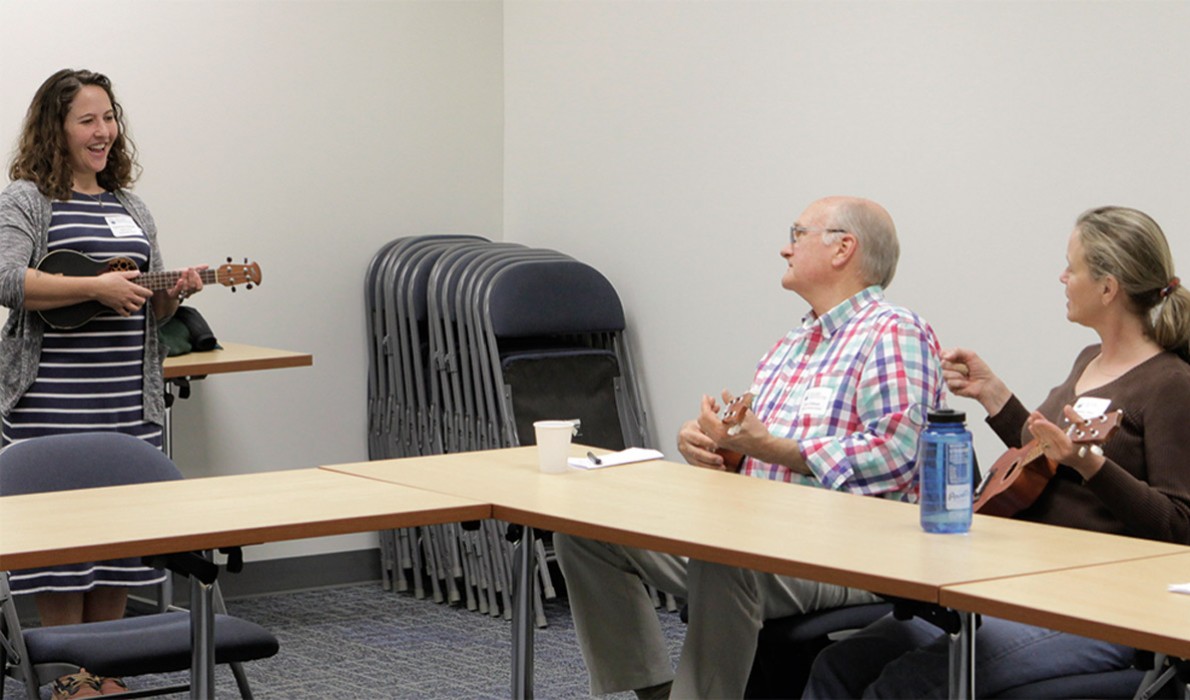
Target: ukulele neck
column 166, row 279
column 1033, row 451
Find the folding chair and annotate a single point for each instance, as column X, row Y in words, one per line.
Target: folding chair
column 442, row 379
column 155, row 643
column 554, row 331
column 395, row 414
column 434, row 550
column 550, row 336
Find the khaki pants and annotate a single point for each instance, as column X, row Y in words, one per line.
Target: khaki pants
column 621, row 638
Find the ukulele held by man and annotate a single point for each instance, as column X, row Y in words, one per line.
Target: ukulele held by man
column 732, row 416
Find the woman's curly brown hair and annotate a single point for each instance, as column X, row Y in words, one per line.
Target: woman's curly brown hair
column 42, row 156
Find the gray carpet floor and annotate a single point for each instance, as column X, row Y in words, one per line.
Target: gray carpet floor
column 363, row 642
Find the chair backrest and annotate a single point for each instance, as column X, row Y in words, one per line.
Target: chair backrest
column 81, row 461
column 552, row 297
column 549, row 327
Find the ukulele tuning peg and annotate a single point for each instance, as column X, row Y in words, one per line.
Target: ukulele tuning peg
column 229, row 258
column 233, row 290
column 249, row 285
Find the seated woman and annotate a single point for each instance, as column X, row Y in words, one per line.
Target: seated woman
column 1120, row 283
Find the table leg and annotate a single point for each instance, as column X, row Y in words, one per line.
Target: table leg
column 202, row 640
column 522, row 618
column 962, row 658
column 167, row 430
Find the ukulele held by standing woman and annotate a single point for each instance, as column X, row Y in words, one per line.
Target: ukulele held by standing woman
column 70, row 176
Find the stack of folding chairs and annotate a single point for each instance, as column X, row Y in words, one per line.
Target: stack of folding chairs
column 472, row 341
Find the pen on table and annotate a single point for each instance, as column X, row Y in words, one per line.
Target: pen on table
column 594, row 460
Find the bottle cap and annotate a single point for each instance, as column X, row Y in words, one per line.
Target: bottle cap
column 946, row 415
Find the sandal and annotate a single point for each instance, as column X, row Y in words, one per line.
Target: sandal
column 110, row 686
column 75, row 685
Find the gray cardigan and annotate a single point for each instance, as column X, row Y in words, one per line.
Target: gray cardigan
column 24, row 237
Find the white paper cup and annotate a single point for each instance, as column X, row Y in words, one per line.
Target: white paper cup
column 553, row 444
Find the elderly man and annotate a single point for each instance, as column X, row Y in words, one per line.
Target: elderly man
column 837, row 405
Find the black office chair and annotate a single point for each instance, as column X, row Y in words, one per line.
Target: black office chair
column 1151, row 676
column 157, row 643
column 787, row 647
column 1119, row 684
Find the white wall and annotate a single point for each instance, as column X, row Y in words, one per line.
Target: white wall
column 671, row 144
column 668, row 143
column 302, row 135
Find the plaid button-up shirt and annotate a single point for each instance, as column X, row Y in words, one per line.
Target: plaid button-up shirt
column 851, row 387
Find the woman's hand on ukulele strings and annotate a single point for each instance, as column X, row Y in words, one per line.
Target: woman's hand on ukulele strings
column 189, row 283
column 1058, row 446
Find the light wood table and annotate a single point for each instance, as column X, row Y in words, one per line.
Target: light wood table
column 234, row 357
column 833, row 537
column 868, row 543
column 200, row 514
column 1127, row 602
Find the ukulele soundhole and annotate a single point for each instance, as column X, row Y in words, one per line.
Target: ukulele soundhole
column 122, row 265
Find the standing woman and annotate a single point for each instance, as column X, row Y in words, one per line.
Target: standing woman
column 1120, row 282
column 70, row 174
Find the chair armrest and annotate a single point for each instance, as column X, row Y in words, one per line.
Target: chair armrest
column 187, row 564
column 945, row 619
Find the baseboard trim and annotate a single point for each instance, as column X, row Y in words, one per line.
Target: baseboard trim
column 301, row 573
column 290, row 574
column 267, row 577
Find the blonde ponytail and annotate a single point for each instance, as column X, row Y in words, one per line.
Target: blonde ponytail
column 1171, row 322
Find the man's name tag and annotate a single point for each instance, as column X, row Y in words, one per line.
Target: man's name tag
column 1090, row 407
column 816, row 401
column 123, row 226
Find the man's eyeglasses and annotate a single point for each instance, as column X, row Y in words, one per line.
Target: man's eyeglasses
column 797, row 233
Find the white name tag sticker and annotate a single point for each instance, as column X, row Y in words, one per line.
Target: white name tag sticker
column 817, row 401
column 1090, row 407
column 123, row 226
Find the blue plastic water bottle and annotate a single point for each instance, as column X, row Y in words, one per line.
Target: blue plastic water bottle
column 945, row 456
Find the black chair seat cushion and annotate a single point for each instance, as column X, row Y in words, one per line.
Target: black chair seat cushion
column 146, row 644
column 796, row 629
column 1109, row 684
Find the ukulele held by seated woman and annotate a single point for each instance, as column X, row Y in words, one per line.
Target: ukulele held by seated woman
column 1017, row 479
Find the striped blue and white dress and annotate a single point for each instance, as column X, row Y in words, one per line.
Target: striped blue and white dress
column 89, row 379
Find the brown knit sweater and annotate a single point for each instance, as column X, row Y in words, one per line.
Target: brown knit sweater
column 1143, row 490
